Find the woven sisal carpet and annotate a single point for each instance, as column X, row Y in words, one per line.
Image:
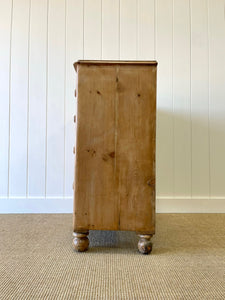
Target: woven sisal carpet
column 187, row 262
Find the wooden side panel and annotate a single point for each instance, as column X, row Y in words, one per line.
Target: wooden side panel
column 115, row 150
column 95, row 204
column 136, row 147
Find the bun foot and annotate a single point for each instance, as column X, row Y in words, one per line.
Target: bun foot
column 80, row 241
column 144, row 244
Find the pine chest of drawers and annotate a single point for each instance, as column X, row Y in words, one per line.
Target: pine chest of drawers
column 114, row 184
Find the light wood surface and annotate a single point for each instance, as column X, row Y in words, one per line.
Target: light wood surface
column 81, row 241
column 114, row 62
column 115, row 149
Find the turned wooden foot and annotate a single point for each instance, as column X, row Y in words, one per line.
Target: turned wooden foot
column 81, row 241
column 144, row 244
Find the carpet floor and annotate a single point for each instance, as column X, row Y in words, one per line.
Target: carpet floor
column 37, row 260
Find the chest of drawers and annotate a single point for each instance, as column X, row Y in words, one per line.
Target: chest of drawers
column 114, row 184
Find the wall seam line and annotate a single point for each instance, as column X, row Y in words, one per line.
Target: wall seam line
column 46, row 107
column 173, row 125
column 209, row 91
column 101, row 30
column 64, row 113
column 10, row 95
column 137, row 29
column 83, row 26
column 28, row 99
column 155, row 12
column 119, row 30
column 191, row 158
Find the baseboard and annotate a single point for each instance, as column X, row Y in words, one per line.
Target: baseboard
column 32, row 205
column 190, row 205
column 9, row 205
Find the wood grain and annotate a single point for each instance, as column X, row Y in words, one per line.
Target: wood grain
column 136, row 146
column 95, row 176
column 115, row 149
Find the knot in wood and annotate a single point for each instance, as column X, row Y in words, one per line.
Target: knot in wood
column 151, row 182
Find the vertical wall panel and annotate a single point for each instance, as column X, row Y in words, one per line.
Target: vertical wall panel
column 146, row 30
column 5, row 38
column 74, row 51
column 199, row 98
column 181, row 98
column 43, row 39
column 19, row 98
column 110, row 29
column 55, row 102
column 128, row 29
column 164, row 142
column 217, row 95
column 92, row 29
column 37, row 98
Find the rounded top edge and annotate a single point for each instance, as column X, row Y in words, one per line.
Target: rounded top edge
column 119, row 62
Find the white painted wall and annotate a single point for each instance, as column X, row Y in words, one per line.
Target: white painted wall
column 39, row 42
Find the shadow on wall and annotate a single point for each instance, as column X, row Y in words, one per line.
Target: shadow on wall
column 190, row 154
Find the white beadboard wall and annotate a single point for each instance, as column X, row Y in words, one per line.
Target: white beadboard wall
column 39, row 42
